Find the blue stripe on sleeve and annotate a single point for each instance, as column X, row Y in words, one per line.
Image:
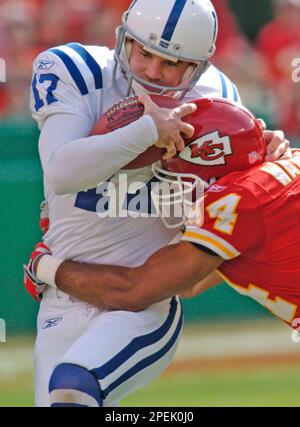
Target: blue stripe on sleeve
column 73, row 70
column 235, row 93
column 224, row 83
column 173, row 19
column 224, row 86
column 90, row 62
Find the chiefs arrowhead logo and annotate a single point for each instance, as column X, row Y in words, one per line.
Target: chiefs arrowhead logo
column 210, row 149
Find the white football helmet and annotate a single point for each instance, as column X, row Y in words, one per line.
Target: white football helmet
column 183, row 30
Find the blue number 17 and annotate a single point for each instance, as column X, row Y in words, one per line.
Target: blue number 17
column 53, row 79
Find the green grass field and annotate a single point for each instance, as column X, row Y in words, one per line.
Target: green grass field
column 268, row 387
column 273, row 385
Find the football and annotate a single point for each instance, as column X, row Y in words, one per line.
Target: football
column 126, row 112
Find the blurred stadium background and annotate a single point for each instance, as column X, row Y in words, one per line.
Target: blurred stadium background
column 232, row 351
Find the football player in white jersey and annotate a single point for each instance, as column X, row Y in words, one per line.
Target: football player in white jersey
column 85, row 356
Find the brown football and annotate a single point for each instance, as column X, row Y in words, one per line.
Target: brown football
column 126, row 112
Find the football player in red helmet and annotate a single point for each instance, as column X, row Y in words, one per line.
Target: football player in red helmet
column 227, row 138
column 243, row 236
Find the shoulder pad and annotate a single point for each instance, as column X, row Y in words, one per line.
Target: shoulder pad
column 73, row 62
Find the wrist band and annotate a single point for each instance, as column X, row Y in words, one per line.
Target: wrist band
column 47, row 268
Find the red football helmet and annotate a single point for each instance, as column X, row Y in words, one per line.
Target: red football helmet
column 227, row 138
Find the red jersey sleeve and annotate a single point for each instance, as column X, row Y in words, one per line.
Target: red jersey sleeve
column 231, row 222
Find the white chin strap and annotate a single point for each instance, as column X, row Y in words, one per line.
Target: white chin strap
column 139, row 89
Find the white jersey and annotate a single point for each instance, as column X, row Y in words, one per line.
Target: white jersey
column 77, row 80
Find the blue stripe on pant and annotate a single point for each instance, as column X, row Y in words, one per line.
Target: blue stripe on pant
column 68, row 405
column 138, row 344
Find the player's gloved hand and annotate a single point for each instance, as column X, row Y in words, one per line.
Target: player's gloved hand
column 44, row 217
column 32, row 284
column 278, row 147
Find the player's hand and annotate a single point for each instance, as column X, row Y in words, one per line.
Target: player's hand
column 278, row 147
column 169, row 125
column 34, row 286
column 44, row 217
